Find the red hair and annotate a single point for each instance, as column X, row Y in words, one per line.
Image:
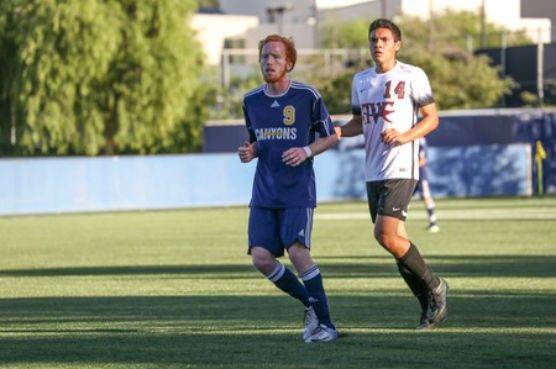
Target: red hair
column 291, row 52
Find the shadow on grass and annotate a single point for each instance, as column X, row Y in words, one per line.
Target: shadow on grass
column 357, row 266
column 501, row 330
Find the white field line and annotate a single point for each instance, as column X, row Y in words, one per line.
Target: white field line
column 531, row 213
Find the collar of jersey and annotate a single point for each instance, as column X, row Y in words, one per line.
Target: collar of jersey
column 282, row 94
column 396, row 66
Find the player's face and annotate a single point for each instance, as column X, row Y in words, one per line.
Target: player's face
column 274, row 64
column 383, row 46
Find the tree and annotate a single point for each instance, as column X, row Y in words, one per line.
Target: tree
column 459, row 79
column 209, row 3
column 98, row 76
column 351, row 34
column 460, row 29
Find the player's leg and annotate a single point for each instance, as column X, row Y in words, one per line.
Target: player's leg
column 296, row 228
column 318, row 315
column 391, row 234
column 415, row 285
column 312, row 278
column 426, row 196
column 429, row 289
column 429, row 205
column 265, row 247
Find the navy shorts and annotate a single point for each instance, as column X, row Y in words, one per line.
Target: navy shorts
column 278, row 229
column 390, row 197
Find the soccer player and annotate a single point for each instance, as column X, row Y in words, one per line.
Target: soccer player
column 423, row 186
column 288, row 125
column 385, row 101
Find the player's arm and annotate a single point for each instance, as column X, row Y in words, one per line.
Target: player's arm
column 424, row 127
column 248, row 151
column 297, row 155
column 352, row 128
column 322, row 144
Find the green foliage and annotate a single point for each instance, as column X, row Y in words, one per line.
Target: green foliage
column 458, row 29
column 209, row 3
column 336, row 92
column 93, row 76
column 531, row 99
column 226, row 101
column 351, row 34
column 459, row 79
column 462, row 81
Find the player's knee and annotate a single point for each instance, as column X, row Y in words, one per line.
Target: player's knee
column 262, row 264
column 262, row 261
column 299, row 253
column 385, row 240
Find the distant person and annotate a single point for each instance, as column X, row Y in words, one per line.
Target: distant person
column 284, row 118
column 423, row 186
column 385, row 101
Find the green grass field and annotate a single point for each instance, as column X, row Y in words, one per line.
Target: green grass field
column 174, row 289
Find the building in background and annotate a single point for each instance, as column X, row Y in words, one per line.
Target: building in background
column 216, row 31
column 240, row 24
column 544, row 9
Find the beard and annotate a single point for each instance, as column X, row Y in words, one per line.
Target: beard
column 275, row 75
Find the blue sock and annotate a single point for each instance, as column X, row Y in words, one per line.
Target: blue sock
column 313, row 282
column 285, row 280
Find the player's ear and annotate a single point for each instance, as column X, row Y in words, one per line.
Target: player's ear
column 289, row 66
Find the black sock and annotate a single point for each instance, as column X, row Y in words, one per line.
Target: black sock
column 415, row 263
column 415, row 285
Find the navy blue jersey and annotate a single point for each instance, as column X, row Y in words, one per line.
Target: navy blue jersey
column 275, row 124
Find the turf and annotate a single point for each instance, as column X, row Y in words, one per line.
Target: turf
column 174, row 289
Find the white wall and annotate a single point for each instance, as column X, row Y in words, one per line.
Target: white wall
column 213, row 29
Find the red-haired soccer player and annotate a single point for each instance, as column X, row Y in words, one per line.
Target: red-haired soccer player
column 288, row 125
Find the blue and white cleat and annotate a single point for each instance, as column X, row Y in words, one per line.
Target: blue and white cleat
column 323, row 334
column 310, row 321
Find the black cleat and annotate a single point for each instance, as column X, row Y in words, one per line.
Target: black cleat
column 424, row 301
column 438, row 304
column 424, row 321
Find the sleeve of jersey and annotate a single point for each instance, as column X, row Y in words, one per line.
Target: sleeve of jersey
column 321, row 118
column 421, row 88
column 252, row 136
column 355, row 104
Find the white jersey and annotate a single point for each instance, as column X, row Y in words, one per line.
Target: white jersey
column 390, row 100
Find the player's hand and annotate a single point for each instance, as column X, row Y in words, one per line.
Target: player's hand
column 294, row 156
column 246, row 152
column 391, row 136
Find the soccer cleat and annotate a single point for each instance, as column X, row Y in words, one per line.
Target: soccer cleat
column 433, row 228
column 310, row 321
column 438, row 305
column 424, row 322
column 322, row 334
column 426, row 312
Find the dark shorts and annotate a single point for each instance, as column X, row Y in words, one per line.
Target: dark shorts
column 390, row 197
column 278, row 229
